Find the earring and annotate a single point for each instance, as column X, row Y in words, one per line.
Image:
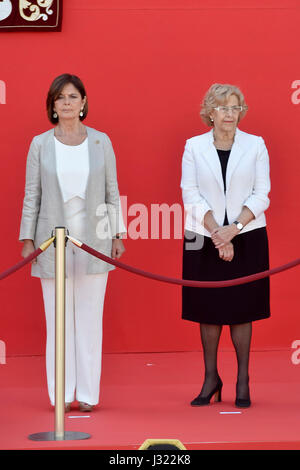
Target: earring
column 55, row 114
column 81, row 113
column 211, row 120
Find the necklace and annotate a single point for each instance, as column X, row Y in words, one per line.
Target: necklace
column 222, row 147
column 226, row 146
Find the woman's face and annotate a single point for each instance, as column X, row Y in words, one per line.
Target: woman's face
column 69, row 103
column 226, row 120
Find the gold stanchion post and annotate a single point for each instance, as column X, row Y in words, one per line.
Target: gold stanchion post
column 60, row 281
column 60, row 284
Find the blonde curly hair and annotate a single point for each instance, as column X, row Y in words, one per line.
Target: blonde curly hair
column 218, row 94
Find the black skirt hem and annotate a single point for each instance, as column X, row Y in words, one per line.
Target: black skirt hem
column 208, row 321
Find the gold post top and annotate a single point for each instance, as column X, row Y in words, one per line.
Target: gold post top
column 46, row 244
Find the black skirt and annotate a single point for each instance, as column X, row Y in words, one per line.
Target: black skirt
column 227, row 305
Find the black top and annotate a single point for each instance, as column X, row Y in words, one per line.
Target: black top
column 224, row 156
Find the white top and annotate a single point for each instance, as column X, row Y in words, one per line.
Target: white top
column 72, row 164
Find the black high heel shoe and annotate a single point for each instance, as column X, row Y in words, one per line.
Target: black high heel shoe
column 216, row 392
column 242, row 402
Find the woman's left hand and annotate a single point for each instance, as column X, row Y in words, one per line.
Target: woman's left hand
column 117, row 248
column 223, row 235
column 226, row 252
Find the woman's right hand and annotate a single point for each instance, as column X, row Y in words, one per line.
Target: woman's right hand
column 226, row 252
column 28, row 248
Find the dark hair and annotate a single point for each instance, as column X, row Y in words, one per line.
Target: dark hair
column 55, row 89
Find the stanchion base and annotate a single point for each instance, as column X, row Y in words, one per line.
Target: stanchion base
column 51, row 436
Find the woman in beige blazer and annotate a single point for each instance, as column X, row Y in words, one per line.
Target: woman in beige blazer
column 71, row 181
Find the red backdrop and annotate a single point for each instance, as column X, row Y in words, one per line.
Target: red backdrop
column 146, row 65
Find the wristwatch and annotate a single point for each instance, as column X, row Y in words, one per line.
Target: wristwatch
column 239, row 225
column 118, row 236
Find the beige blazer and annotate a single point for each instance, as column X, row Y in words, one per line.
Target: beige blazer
column 43, row 206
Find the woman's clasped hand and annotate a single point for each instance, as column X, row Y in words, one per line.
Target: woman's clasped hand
column 221, row 238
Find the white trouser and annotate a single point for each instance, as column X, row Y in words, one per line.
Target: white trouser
column 83, row 317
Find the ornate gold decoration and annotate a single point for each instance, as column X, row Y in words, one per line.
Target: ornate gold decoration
column 36, row 12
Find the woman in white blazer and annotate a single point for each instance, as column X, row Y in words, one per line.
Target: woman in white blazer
column 71, row 181
column 225, row 185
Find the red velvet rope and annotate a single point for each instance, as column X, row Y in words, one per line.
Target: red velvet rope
column 183, row 282
column 169, row 280
column 20, row 264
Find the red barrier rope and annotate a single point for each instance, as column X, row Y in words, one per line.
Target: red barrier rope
column 27, row 260
column 169, row 280
column 184, row 282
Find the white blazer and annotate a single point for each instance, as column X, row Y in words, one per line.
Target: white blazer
column 247, row 181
